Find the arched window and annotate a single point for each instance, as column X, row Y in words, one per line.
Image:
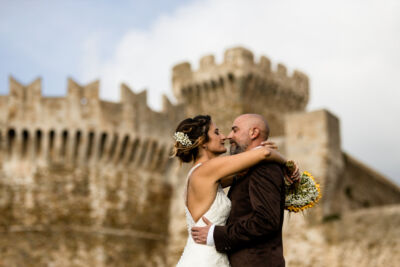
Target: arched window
column 103, row 141
column 25, row 142
column 11, row 135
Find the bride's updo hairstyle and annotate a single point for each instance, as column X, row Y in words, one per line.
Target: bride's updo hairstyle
column 196, row 130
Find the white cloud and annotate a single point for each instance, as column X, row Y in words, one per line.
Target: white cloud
column 350, row 50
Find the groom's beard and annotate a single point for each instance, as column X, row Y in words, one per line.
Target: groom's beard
column 236, row 148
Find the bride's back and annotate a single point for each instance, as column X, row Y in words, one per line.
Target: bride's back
column 200, row 193
column 216, row 206
column 201, row 255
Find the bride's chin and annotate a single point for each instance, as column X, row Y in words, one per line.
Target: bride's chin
column 220, row 152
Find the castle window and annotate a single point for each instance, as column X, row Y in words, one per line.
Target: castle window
column 51, row 142
column 145, row 147
column 38, row 143
column 231, row 77
column 77, row 143
column 10, row 141
column 90, row 145
column 113, row 146
column 152, row 151
column 25, row 142
column 64, row 143
column 123, row 148
column 134, row 149
column 103, row 140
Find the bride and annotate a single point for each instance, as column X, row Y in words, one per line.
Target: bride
column 199, row 141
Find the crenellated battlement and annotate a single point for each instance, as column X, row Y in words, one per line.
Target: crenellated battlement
column 82, row 128
column 239, row 63
column 75, row 147
column 241, row 85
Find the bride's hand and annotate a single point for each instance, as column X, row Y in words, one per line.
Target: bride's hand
column 269, row 145
column 272, row 153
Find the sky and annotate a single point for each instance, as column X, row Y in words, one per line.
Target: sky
column 349, row 49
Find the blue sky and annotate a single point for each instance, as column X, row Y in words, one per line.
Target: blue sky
column 349, row 49
column 45, row 38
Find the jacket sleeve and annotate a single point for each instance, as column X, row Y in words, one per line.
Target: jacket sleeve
column 265, row 187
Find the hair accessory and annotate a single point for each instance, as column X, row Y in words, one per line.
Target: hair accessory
column 182, row 138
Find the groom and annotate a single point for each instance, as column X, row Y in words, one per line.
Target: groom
column 253, row 232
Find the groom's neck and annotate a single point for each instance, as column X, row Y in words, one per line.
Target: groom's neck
column 254, row 143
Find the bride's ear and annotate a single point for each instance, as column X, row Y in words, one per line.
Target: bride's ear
column 203, row 146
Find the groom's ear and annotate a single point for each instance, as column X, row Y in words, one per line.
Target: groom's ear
column 254, row 133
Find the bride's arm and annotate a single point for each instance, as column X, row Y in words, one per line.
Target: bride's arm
column 227, row 181
column 219, row 167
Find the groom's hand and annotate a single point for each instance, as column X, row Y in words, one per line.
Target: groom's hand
column 294, row 176
column 199, row 234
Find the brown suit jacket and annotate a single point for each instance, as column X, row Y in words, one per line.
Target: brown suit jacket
column 253, row 233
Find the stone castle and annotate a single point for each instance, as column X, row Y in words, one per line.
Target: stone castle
column 87, row 182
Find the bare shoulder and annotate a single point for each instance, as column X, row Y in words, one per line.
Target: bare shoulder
column 197, row 177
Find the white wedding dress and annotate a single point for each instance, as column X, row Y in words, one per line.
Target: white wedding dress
column 196, row 255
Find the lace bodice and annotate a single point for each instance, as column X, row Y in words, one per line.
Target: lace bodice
column 203, row 255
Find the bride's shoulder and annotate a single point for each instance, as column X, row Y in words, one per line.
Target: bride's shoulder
column 194, row 170
column 198, row 176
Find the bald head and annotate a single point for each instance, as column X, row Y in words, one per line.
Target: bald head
column 248, row 131
column 257, row 121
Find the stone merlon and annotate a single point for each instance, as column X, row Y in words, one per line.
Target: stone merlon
column 239, row 63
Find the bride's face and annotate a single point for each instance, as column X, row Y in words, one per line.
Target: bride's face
column 216, row 140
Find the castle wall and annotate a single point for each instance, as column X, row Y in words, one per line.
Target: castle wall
column 178, row 230
column 361, row 187
column 79, row 248
column 366, row 237
column 72, row 214
column 313, row 140
column 82, row 180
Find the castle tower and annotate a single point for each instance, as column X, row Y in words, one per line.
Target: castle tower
column 240, row 85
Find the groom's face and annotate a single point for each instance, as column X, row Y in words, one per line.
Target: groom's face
column 239, row 136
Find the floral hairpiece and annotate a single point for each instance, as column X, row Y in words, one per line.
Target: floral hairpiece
column 182, row 138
